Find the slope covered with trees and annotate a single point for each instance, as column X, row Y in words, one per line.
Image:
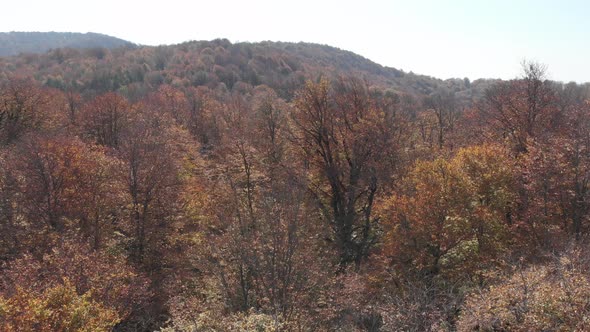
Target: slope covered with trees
column 211, row 186
column 217, row 64
column 14, row 43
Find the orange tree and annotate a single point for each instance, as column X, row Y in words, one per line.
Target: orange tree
column 451, row 213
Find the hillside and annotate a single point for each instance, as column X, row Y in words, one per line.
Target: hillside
column 282, row 66
column 14, row 43
column 273, row 186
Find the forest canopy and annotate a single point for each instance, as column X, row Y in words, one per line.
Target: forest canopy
column 211, row 186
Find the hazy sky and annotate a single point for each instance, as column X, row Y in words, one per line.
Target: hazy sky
column 452, row 38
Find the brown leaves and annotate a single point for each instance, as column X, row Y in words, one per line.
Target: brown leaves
column 95, row 276
column 22, row 108
column 343, row 135
column 56, row 309
column 553, row 296
column 106, row 118
column 451, row 211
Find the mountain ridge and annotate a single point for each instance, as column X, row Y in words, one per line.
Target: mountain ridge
column 15, row 42
column 280, row 65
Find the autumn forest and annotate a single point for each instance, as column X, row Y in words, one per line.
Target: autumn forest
column 211, row 186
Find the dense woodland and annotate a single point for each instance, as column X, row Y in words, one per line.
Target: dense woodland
column 211, row 186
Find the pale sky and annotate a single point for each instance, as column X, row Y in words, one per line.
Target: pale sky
column 444, row 39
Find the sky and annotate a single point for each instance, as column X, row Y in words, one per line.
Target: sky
column 440, row 38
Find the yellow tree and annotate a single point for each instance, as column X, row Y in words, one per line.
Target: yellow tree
column 59, row 308
column 453, row 212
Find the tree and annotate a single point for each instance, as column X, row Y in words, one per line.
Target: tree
column 556, row 179
column 103, row 278
column 62, row 184
column 49, row 167
column 451, row 215
column 9, row 227
column 204, row 111
column 172, row 101
column 105, row 119
column 74, row 102
column 151, row 152
column 443, row 105
column 100, row 196
column 257, row 219
column 520, row 110
column 58, row 308
column 576, row 150
column 542, row 297
column 21, row 108
column 343, row 135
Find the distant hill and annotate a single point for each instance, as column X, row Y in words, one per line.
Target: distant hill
column 14, row 43
column 216, row 64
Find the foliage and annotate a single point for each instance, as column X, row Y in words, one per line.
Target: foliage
column 551, row 296
column 468, row 198
column 344, row 133
column 211, row 186
column 101, row 277
column 246, row 322
column 59, row 308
